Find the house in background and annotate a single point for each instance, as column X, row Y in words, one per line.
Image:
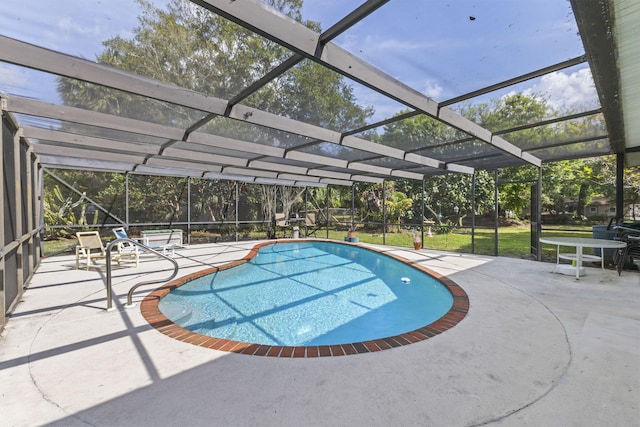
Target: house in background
column 600, row 207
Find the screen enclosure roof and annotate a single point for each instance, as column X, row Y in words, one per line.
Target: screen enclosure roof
column 329, row 93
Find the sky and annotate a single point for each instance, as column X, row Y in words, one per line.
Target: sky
column 446, row 48
column 441, row 48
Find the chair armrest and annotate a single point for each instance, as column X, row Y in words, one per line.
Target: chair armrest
column 82, row 249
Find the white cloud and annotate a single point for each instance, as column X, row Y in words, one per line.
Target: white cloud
column 393, row 45
column 81, row 37
column 15, row 80
column 68, row 25
column 372, row 46
column 383, row 106
column 12, row 79
column 433, row 90
column 567, row 91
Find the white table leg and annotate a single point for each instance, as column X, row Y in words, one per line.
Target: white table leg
column 557, row 259
column 578, row 261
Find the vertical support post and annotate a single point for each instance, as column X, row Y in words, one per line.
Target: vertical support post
column 473, row 212
column 384, row 214
column 272, row 222
column 306, row 210
column 353, row 207
column 496, row 214
column 237, row 184
column 619, row 187
column 18, row 209
column 189, row 210
column 40, row 207
column 37, row 214
column 30, row 214
column 538, row 214
column 422, row 213
column 327, row 208
column 126, row 199
column 3, row 279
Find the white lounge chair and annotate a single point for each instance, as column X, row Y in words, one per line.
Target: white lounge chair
column 127, row 249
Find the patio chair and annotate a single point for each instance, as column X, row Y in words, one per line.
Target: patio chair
column 310, row 222
column 90, row 247
column 127, row 249
column 625, row 256
column 281, row 222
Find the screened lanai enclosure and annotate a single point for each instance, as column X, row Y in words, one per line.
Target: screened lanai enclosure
column 228, row 210
column 249, row 119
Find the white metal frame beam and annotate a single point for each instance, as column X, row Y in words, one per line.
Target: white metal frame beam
column 68, row 66
column 157, row 155
column 260, row 18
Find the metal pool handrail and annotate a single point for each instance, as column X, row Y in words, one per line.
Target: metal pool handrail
column 137, row 285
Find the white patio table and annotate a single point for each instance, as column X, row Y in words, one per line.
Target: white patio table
column 579, row 243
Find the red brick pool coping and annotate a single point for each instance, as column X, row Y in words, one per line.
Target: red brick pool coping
column 153, row 315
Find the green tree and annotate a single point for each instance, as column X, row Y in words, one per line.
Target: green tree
column 571, row 179
column 188, row 46
column 398, row 207
column 605, row 168
column 509, row 112
column 448, row 197
column 195, row 49
column 92, row 202
column 212, row 200
column 571, row 183
column 420, row 131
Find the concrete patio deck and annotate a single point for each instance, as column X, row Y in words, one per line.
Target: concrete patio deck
column 535, row 349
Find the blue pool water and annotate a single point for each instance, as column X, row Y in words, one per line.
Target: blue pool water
column 309, row 293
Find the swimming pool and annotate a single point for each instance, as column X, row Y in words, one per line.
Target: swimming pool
column 324, row 297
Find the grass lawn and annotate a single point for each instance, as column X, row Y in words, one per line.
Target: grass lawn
column 59, row 246
column 512, row 241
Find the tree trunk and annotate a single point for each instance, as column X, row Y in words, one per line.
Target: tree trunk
column 582, row 196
